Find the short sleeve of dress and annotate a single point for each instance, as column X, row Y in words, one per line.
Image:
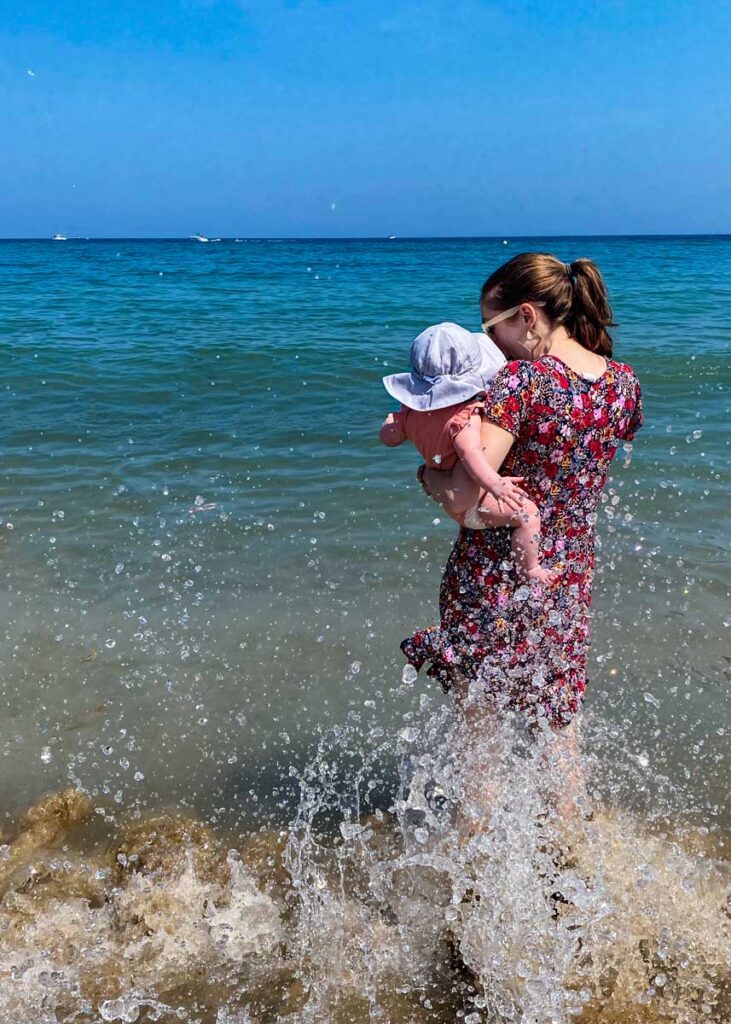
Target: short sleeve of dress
column 636, row 417
column 509, row 398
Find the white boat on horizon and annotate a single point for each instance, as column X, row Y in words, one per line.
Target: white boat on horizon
column 199, row 238
column 59, row 238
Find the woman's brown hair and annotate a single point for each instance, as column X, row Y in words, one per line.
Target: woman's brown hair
column 573, row 295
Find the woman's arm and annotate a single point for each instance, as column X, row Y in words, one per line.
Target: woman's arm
column 457, row 491
column 469, row 447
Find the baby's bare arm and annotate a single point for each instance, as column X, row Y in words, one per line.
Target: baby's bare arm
column 391, row 433
column 472, row 454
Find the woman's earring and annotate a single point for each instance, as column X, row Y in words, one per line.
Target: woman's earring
column 531, row 339
column 535, row 339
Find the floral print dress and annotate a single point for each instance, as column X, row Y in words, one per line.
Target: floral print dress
column 526, row 646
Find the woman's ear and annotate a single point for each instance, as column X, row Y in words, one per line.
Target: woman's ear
column 528, row 315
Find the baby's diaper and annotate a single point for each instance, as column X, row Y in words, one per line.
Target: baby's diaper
column 473, row 520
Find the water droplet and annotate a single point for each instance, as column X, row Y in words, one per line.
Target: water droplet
column 110, row 643
column 125, row 1009
column 46, row 755
column 643, row 759
column 409, row 674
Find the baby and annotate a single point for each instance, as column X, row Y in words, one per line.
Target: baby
column 442, row 400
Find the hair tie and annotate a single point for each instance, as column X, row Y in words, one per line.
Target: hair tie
column 572, row 275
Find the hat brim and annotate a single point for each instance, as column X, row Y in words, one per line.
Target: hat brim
column 415, row 393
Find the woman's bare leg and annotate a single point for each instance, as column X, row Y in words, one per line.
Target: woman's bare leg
column 566, row 778
column 479, row 757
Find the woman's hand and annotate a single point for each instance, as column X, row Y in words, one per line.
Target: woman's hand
column 509, row 497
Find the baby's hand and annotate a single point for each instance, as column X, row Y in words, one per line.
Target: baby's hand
column 508, row 496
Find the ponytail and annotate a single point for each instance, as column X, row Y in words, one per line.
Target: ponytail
column 573, row 295
column 590, row 313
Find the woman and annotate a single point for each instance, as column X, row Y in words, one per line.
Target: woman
column 554, row 416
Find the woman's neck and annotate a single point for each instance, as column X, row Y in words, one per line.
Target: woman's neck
column 560, row 344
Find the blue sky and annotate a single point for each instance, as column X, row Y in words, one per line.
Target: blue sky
column 364, row 117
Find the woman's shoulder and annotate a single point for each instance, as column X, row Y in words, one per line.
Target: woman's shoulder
column 620, row 367
column 624, row 372
column 517, row 365
column 518, row 371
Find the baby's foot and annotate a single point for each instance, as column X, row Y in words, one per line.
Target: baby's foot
column 537, row 574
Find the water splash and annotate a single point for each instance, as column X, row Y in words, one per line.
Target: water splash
column 492, row 888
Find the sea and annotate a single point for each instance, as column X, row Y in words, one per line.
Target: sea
column 217, row 795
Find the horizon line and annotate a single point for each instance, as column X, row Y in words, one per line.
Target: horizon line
column 358, row 238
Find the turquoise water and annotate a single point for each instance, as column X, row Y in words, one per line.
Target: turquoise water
column 207, row 558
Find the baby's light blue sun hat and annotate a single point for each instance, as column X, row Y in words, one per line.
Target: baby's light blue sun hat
column 449, row 365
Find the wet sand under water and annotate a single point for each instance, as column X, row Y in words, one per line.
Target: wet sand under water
column 165, row 920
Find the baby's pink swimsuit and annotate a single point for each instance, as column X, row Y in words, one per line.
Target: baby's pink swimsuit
column 432, row 433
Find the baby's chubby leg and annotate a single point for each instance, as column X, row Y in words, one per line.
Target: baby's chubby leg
column 525, row 542
column 454, row 490
column 458, row 494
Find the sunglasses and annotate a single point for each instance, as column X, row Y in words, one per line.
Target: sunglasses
column 487, row 325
